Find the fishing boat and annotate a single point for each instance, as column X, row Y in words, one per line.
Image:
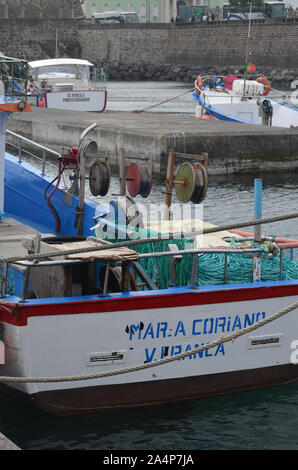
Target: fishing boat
column 241, row 100
column 65, row 83
column 137, row 313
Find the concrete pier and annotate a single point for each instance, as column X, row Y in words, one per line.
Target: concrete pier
column 232, row 147
column 6, row 444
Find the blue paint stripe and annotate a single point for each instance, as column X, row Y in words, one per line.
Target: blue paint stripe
column 172, row 290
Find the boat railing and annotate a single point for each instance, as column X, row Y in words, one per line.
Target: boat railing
column 22, row 145
column 38, row 259
column 280, row 98
column 42, row 260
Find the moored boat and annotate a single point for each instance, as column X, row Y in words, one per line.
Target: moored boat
column 240, row 99
column 90, row 323
column 245, row 101
column 66, row 83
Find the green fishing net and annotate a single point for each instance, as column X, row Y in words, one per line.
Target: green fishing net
column 10, row 282
column 211, row 266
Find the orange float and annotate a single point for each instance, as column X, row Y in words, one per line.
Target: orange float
column 266, row 84
column 199, row 84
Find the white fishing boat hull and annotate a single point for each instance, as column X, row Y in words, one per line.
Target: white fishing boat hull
column 246, row 101
column 78, row 100
column 62, row 338
column 65, row 84
column 75, row 100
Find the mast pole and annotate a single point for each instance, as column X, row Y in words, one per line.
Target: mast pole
column 3, row 126
column 247, row 52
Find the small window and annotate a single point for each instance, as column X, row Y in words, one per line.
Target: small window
column 155, row 11
column 93, row 8
column 143, row 12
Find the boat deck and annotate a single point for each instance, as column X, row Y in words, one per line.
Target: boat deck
column 12, row 233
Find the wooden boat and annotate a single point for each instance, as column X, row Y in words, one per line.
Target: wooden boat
column 87, row 325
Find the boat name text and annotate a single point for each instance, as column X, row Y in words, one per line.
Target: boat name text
column 199, row 326
column 74, row 97
column 184, row 329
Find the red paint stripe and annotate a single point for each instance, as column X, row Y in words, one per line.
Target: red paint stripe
column 18, row 314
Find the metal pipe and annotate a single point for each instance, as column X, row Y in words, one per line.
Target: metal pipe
column 86, row 132
column 82, row 169
column 194, row 270
column 105, row 286
column 43, row 162
column 34, row 144
column 197, row 251
column 25, row 283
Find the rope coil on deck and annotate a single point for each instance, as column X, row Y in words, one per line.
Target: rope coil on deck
column 221, row 340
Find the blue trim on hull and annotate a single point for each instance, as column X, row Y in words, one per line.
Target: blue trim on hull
column 229, row 117
column 217, row 113
column 170, row 290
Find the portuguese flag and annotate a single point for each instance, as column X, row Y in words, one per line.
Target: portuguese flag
column 250, row 67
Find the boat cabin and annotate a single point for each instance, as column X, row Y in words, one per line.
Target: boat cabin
column 60, row 74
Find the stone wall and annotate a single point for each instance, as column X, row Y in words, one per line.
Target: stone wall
column 274, row 43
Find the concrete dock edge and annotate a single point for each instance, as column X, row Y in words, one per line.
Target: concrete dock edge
column 231, row 147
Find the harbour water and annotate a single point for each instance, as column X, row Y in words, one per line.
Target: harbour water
column 262, row 419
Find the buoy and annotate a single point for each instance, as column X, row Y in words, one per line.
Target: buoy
column 199, row 84
column 266, row 84
column 139, row 179
column 99, row 178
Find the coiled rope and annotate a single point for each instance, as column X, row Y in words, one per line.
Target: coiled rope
column 127, row 370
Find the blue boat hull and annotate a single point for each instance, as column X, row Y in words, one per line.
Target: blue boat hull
column 24, row 194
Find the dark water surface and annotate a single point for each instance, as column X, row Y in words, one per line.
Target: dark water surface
column 263, row 419
column 257, row 420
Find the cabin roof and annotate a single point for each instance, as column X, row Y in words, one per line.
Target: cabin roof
column 63, row 61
